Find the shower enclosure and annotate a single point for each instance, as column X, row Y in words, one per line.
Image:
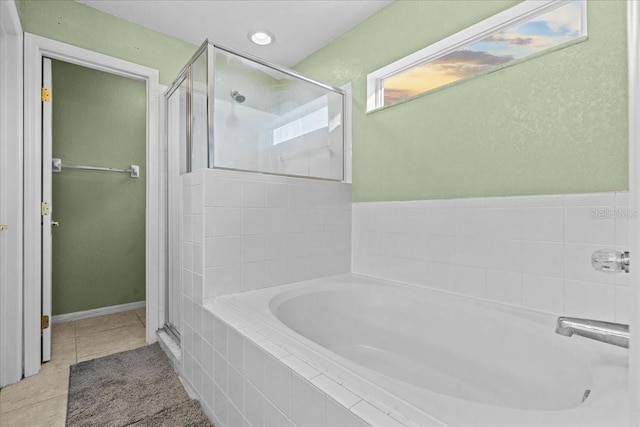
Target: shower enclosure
column 229, row 110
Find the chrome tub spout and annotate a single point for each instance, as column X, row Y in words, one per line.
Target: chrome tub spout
column 607, row 332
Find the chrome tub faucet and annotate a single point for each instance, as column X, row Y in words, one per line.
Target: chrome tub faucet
column 607, row 332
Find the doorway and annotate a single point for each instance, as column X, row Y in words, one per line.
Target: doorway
column 35, row 49
column 93, row 249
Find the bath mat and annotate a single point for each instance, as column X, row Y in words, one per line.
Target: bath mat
column 137, row 387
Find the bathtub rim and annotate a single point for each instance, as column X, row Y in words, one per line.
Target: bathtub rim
column 316, row 356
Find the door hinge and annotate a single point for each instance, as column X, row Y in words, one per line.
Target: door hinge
column 44, row 322
column 45, row 95
column 44, row 208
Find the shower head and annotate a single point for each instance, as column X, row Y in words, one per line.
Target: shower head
column 237, row 96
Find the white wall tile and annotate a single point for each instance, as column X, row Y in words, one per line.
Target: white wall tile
column 504, row 254
column 220, row 336
column 235, row 387
column 470, row 222
column 253, row 248
column 208, row 391
column 623, row 304
column 543, row 258
column 277, row 383
column 543, row 293
column 207, row 360
column 220, row 405
column 276, row 220
column 225, row 280
column 471, row 251
column 197, row 377
column 504, row 286
column 254, row 364
column 235, row 349
column 585, row 225
column 234, row 417
column 470, row 281
column 277, row 272
column 307, row 403
column 277, row 195
column 543, row 224
column 253, row 221
column 546, row 239
column 277, row 246
column 226, row 251
column 226, row 222
column 504, row 223
column 590, row 300
column 253, row 405
column 545, row 201
column 254, row 276
column 208, row 327
column 273, row 417
column 589, row 199
column 254, row 194
column 440, row 275
column 227, row 192
column 220, row 368
column 198, row 258
column 337, row 415
column 622, row 228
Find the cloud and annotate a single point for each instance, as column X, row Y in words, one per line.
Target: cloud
column 464, row 63
column 391, row 96
column 512, row 39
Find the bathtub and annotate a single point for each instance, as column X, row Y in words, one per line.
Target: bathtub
column 437, row 358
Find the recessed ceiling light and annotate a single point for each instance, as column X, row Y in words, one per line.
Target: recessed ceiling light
column 261, row 38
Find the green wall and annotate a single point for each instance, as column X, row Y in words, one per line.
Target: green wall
column 99, row 249
column 552, row 124
column 74, row 23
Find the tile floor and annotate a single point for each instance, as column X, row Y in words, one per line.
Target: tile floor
column 41, row 400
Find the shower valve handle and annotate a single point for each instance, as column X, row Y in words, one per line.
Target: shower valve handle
column 610, row 261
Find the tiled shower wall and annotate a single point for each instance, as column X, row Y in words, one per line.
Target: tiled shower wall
column 532, row 251
column 244, row 231
column 262, row 231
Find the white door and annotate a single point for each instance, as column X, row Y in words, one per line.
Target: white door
column 47, row 203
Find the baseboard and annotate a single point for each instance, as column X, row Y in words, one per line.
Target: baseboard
column 59, row 318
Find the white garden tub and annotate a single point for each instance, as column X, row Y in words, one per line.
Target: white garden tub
column 430, row 355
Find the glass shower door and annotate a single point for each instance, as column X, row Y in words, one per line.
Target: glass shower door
column 177, row 113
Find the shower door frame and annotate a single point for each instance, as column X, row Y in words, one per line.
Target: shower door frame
column 35, row 48
column 633, row 58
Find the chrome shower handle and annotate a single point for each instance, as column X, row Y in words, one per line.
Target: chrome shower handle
column 610, row 261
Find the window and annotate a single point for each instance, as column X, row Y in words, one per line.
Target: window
column 526, row 29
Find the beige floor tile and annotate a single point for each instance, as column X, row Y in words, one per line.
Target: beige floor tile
column 50, row 413
column 51, row 381
column 109, row 340
column 142, row 315
column 63, row 331
column 112, row 351
column 63, row 352
column 104, row 323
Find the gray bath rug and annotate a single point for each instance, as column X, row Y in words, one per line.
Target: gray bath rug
column 134, row 388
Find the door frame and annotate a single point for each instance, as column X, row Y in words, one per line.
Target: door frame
column 11, row 355
column 35, row 48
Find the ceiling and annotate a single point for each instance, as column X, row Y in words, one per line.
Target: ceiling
column 300, row 27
